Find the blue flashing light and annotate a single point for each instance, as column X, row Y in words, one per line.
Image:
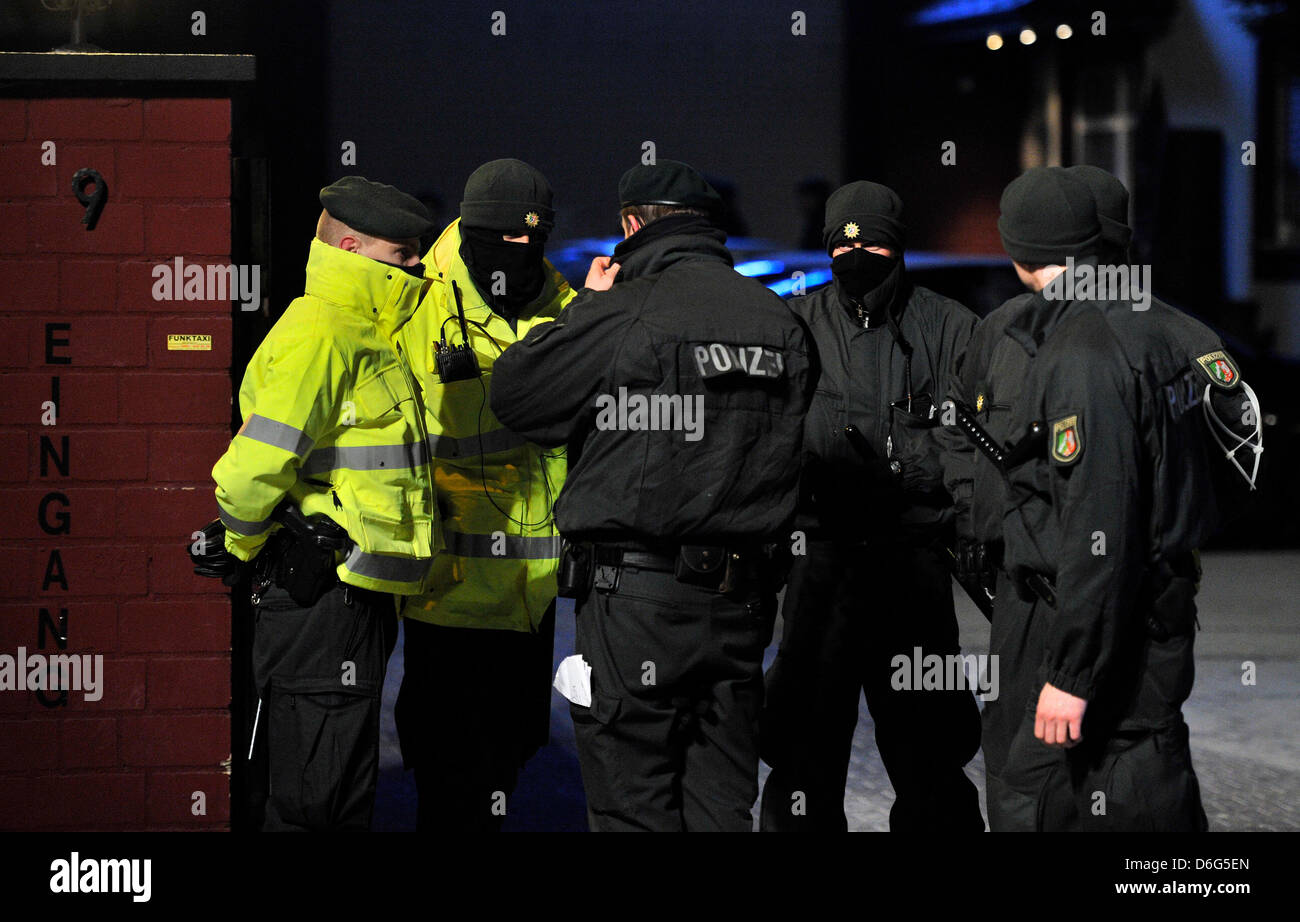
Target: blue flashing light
column 956, row 10
column 755, row 267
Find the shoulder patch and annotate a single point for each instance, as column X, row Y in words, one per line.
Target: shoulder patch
column 1220, row 369
column 716, row 359
column 1067, row 440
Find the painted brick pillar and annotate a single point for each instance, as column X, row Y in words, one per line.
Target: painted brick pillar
column 107, row 437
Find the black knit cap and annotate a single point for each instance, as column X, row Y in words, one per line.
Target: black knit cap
column 667, row 182
column 376, row 209
column 1112, row 203
column 508, row 196
column 864, row 212
column 1047, row 215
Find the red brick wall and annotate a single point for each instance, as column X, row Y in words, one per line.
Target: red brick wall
column 143, row 426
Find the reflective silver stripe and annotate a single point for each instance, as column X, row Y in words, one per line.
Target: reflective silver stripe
column 240, row 527
column 381, row 566
column 516, row 547
column 444, row 446
column 364, row 458
column 270, row 432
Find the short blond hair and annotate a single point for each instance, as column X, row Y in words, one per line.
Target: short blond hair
column 331, row 230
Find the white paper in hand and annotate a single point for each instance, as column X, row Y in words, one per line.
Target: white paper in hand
column 573, row 680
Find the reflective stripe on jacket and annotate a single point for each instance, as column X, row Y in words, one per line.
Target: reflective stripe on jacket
column 332, row 419
column 495, row 489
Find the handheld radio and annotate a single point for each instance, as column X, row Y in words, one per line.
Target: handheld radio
column 456, row 363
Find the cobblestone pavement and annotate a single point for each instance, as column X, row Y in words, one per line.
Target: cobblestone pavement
column 1245, row 738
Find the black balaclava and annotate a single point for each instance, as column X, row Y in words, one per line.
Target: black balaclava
column 860, row 271
column 872, row 214
column 506, row 197
column 485, row 253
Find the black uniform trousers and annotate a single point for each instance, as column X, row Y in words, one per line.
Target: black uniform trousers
column 320, row 676
column 848, row 612
column 1132, row 771
column 670, row 741
column 474, row 706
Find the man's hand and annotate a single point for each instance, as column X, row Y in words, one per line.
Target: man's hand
column 1059, row 719
column 600, row 277
column 208, row 552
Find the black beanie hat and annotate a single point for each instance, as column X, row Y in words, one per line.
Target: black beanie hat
column 508, row 196
column 1047, row 215
column 1112, row 203
column 667, row 182
column 864, row 212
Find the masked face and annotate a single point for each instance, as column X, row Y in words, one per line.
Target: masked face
column 506, row 273
column 860, row 271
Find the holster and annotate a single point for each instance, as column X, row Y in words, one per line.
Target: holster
column 574, row 576
column 705, row 565
column 724, row 569
column 299, row 558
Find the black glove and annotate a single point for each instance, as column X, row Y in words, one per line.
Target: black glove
column 208, row 551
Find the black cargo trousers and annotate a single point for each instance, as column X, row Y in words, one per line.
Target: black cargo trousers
column 1132, row 771
column 670, row 741
column 320, row 676
column 848, row 612
column 474, row 707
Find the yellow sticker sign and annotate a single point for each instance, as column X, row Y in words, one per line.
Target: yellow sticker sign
column 189, row 342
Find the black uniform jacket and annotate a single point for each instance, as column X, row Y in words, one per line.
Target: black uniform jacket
column 987, row 377
column 862, row 371
column 678, row 324
column 1128, row 477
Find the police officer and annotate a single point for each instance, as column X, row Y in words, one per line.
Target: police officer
column 990, row 356
column 1110, row 199
column 332, row 446
column 476, row 697
column 683, row 387
column 873, row 584
column 1101, row 522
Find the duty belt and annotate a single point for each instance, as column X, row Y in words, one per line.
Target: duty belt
column 642, row 560
column 720, row 568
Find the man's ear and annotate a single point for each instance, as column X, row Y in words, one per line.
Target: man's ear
column 633, row 224
column 349, row 243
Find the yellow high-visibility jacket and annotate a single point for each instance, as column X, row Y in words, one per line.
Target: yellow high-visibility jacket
column 495, row 490
column 332, row 418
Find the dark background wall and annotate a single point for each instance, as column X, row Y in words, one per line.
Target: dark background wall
column 428, row 93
